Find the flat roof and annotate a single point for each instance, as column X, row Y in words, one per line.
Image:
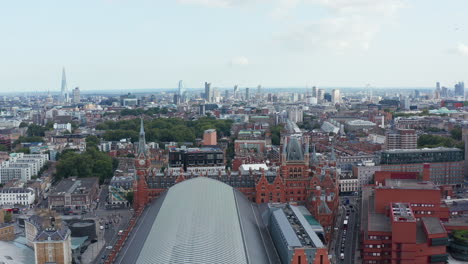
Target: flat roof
column 74, row 186
column 433, row 225
column 422, row 150
column 409, row 184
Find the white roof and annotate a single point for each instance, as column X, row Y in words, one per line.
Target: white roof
column 254, row 167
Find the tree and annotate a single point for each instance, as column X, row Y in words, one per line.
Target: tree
column 7, row 217
column 3, row 148
column 129, row 197
column 92, row 140
column 24, row 150
column 456, row 133
column 35, row 131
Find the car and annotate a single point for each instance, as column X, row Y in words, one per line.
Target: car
column 120, row 232
column 109, row 247
column 107, row 226
column 342, row 256
column 101, row 227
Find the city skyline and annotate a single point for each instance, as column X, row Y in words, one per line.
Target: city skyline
column 228, row 42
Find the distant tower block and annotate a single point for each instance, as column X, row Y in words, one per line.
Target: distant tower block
column 209, row 137
column 465, row 138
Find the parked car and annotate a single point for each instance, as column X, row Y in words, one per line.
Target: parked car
column 101, row 227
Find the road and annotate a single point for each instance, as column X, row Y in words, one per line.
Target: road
column 345, row 239
column 117, row 219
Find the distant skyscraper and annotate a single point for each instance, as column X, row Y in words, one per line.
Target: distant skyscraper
column 259, row 92
column 336, row 97
column 460, row 89
column 247, row 93
column 438, row 85
column 76, row 95
column 208, row 92
column 182, row 91
column 63, row 90
column 236, row 89
column 314, row 91
column 320, row 95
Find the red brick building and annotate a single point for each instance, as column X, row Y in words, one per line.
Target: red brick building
column 401, row 220
column 315, row 186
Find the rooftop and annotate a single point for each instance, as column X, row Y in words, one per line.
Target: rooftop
column 433, row 225
column 214, row 224
column 410, row 184
column 422, row 150
column 74, row 186
column 401, row 212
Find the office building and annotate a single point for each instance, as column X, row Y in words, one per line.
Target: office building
column 63, row 97
column 401, row 221
column 295, row 114
column 76, row 95
column 446, row 164
column 401, row 139
column 335, row 96
column 460, row 89
column 320, row 95
column 208, row 92
column 247, row 94
column 182, row 93
column 205, row 159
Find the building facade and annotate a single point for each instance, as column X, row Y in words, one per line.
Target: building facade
column 401, row 220
column 401, row 139
column 17, row 196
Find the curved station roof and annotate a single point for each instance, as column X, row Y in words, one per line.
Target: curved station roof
column 200, row 220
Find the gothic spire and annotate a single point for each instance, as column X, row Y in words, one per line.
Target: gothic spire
column 141, row 140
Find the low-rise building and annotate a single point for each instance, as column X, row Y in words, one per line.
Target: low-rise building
column 74, row 194
column 17, row 196
column 53, row 245
column 349, row 182
column 364, row 172
column 7, row 232
column 119, row 187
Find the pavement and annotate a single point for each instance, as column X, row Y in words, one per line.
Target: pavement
column 93, row 249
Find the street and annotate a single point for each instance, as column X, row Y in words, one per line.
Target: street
column 345, row 245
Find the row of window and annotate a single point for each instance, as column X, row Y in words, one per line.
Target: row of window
column 379, row 237
column 378, row 246
column 423, row 205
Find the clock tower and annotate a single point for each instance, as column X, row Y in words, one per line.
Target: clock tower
column 142, row 158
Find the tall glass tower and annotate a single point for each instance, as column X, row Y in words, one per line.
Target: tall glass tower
column 182, row 92
column 63, row 90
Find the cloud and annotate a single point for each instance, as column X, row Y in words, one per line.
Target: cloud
column 349, row 24
column 462, row 49
column 352, row 24
column 239, row 61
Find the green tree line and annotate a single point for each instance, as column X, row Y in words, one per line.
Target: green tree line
column 164, row 129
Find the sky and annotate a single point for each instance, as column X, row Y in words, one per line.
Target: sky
column 144, row 44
